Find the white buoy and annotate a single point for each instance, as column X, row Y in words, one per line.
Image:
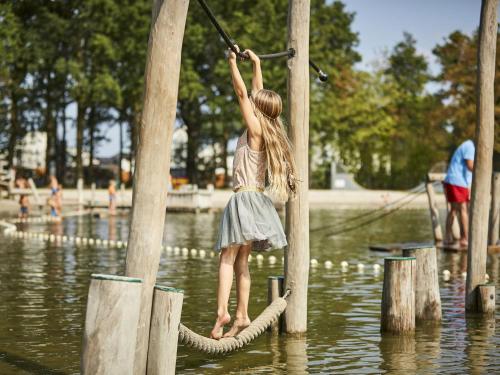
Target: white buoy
column 98, row 241
column 486, row 277
column 52, row 238
column 105, row 242
column 259, row 258
column 328, row 264
column 193, row 252
column 344, row 264
column 272, row 259
column 282, row 260
column 119, row 244
column 65, row 238
column 314, row 262
column 168, row 249
column 212, row 254
column 85, row 240
column 202, row 253
column 464, row 275
column 376, row 267
column 185, row 251
column 446, row 275
column 91, row 241
column 177, row 250
column 361, row 267
column 249, row 258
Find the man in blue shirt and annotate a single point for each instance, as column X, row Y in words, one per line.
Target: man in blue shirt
column 456, row 186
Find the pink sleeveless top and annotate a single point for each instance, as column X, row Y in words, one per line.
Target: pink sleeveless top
column 249, row 166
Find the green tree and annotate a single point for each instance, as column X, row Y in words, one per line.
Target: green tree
column 458, row 59
column 419, row 139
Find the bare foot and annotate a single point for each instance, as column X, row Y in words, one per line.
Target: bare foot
column 219, row 326
column 238, row 326
column 464, row 243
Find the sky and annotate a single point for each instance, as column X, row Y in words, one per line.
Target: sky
column 380, row 24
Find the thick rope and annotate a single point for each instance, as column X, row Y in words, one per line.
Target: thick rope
column 229, row 344
column 230, row 43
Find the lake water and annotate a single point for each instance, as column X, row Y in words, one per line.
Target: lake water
column 43, row 291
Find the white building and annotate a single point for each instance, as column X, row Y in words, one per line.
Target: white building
column 30, row 151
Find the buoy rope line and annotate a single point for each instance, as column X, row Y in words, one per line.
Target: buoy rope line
column 12, row 231
column 229, row 344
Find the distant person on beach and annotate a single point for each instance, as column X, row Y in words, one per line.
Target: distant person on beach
column 55, row 200
column 24, row 202
column 112, row 197
column 457, row 189
column 250, row 221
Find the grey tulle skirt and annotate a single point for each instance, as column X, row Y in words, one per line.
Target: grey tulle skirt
column 251, row 216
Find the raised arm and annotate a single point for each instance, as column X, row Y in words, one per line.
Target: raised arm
column 240, row 89
column 257, row 82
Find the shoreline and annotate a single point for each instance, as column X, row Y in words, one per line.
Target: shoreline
column 318, row 199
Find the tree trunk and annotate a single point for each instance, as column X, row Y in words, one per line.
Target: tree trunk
column 297, row 210
column 14, row 129
column 483, row 164
column 161, row 83
column 91, row 125
column 120, row 155
column 50, row 128
column 192, row 152
column 80, row 123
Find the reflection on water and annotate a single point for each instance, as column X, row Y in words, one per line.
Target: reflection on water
column 44, row 287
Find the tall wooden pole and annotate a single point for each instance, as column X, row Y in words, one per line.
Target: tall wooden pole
column 434, row 211
column 297, row 213
column 495, row 210
column 161, row 82
column 483, row 164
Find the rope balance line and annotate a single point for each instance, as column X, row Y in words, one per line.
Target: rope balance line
column 364, row 215
column 323, row 77
column 367, row 222
column 228, row 344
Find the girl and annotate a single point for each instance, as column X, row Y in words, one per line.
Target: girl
column 250, row 221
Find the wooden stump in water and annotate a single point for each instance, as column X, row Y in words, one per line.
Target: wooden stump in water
column 165, row 319
column 398, row 295
column 427, row 297
column 111, row 323
column 434, row 211
column 275, row 290
column 486, row 298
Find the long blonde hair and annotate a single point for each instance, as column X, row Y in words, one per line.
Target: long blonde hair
column 281, row 169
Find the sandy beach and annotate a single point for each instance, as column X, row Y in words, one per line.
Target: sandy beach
column 318, row 199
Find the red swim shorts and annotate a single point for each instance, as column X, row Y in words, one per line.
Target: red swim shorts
column 456, row 194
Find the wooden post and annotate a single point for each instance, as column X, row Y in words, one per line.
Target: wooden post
column 427, row 297
column 165, row 319
column 92, row 195
column 79, row 187
column 486, row 298
column 495, row 210
column 275, row 290
column 434, row 211
column 152, row 162
column 297, row 213
column 111, row 325
column 398, row 295
column 483, row 161
column 455, row 224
